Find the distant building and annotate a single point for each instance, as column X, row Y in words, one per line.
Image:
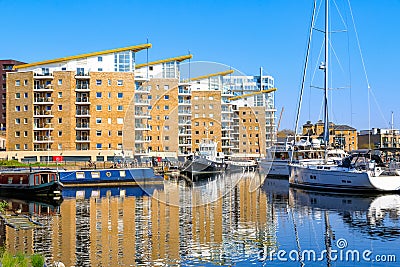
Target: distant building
column 5, row 66
column 340, row 136
column 379, row 138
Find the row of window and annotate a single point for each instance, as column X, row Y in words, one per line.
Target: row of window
column 100, row 108
column 119, row 82
column 59, row 146
column 100, row 95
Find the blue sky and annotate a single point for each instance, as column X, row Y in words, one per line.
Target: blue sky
column 241, row 34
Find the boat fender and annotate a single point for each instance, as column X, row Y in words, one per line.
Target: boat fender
column 108, row 174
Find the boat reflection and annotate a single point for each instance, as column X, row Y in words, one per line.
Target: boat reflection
column 377, row 216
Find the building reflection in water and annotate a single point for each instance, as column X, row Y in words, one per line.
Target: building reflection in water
column 220, row 221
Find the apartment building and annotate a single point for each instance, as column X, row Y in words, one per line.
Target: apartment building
column 77, row 103
column 379, row 138
column 340, row 136
column 242, row 121
column 5, row 67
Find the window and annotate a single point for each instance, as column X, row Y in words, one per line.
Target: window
column 109, row 120
column 59, row 107
column 59, row 81
column 99, row 69
column 166, row 97
column 25, row 95
column 196, row 106
column 119, row 146
column 120, row 95
column 98, row 107
column 166, row 117
column 98, row 120
column 59, row 120
column 25, row 120
column 166, row 138
column 120, row 82
column 63, row 68
column 109, row 107
column 59, row 146
column 99, row 146
column 17, row 134
column 196, row 123
column 17, row 108
column 59, row 94
column 166, row 107
column 98, row 132
column 99, row 59
column 17, row 82
column 196, row 98
column 25, row 82
column 25, row 146
column 59, row 133
column 98, row 94
column 211, row 115
column 166, row 87
column 17, row 121
column 211, row 106
column 17, row 95
column 120, row 108
column 166, row 128
column 17, row 147
column 123, row 61
column 109, row 82
column 109, row 133
column 98, row 82
column 120, row 120
column 119, row 133
column 109, row 94
column 210, row 98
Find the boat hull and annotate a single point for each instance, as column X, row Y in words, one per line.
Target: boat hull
column 109, row 177
column 52, row 189
column 202, row 166
column 340, row 179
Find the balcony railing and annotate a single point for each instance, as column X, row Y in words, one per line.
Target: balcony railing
column 43, row 113
column 187, row 102
column 83, row 100
column 82, row 113
column 43, row 87
column 82, row 125
column 43, row 100
column 142, row 89
column 142, row 101
column 82, row 138
column 43, row 139
column 82, row 87
column 43, row 75
column 82, row 74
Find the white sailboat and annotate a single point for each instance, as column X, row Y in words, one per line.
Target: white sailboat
column 346, row 175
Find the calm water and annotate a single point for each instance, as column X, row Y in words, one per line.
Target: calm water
column 228, row 220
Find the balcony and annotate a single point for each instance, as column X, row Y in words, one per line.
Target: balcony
column 184, row 112
column 82, row 88
column 42, row 139
column 184, row 102
column 82, row 139
column 82, row 113
column 42, row 127
column 141, row 127
column 82, row 126
column 142, row 90
column 82, row 75
column 185, row 133
column 82, row 101
column 143, row 115
column 184, row 122
column 144, row 102
column 182, row 91
column 43, row 114
column 43, row 75
column 43, row 88
column 43, row 101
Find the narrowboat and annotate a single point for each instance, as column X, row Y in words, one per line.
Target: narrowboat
column 30, row 183
column 109, row 177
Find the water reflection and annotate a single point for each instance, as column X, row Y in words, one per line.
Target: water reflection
column 219, row 220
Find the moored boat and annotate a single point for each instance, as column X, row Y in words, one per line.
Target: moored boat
column 30, row 183
column 208, row 160
column 109, row 177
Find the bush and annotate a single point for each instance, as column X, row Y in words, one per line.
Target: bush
column 37, row 260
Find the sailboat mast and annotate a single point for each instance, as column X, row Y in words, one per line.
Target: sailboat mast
column 326, row 83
